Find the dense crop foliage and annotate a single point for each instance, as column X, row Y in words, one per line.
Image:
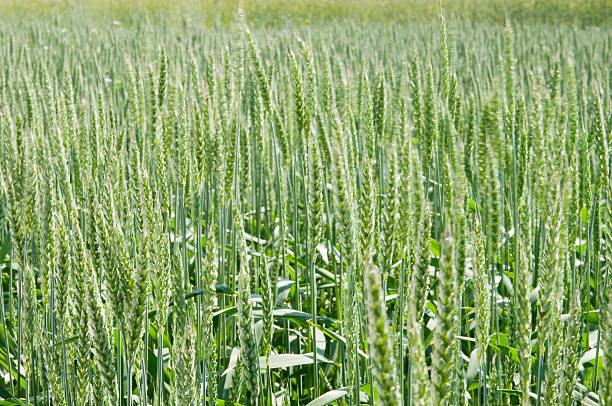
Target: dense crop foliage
column 389, row 215
column 273, row 12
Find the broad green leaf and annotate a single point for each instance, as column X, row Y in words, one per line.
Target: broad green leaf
column 329, row 397
column 291, row 360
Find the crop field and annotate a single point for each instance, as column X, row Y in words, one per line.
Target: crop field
column 332, row 210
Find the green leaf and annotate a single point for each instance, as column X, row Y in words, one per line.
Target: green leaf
column 472, row 204
column 283, row 288
column 336, row 394
column 327, row 398
column 504, row 349
column 592, row 316
column 293, row 314
column 434, row 247
column 335, row 336
column 511, row 391
column 291, row 360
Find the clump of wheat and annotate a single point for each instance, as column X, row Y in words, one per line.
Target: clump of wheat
column 251, row 214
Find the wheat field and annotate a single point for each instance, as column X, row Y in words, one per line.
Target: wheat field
column 337, row 212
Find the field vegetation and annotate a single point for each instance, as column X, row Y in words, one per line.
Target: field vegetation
column 380, row 208
column 279, row 12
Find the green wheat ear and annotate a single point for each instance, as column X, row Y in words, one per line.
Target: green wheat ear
column 444, row 339
column 208, row 298
column 249, row 354
column 104, row 388
column 381, row 348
